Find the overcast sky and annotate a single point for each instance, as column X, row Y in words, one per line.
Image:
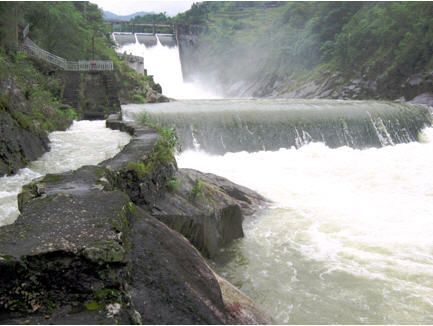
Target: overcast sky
column 126, row 7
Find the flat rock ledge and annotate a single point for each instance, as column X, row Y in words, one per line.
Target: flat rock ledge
column 87, row 250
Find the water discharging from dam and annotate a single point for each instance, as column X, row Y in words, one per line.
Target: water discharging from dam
column 348, row 236
column 84, row 143
column 163, row 63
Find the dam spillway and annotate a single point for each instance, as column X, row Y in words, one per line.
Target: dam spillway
column 161, row 59
column 147, row 39
column 224, row 126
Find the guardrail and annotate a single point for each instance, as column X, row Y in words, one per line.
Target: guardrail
column 82, row 65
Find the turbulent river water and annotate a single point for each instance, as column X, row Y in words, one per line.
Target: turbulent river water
column 348, row 236
column 84, row 143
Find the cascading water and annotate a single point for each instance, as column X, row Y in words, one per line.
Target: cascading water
column 84, row 143
column 163, row 62
column 252, row 125
column 347, row 239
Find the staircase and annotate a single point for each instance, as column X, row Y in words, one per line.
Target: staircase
column 112, row 90
column 71, row 91
column 82, row 65
column 94, row 92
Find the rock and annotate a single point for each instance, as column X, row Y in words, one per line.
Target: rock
column 20, row 140
column 210, row 217
column 171, row 282
column 134, row 171
column 155, row 97
column 424, row 98
column 415, row 80
column 208, row 210
column 82, row 252
column 241, row 308
column 68, row 245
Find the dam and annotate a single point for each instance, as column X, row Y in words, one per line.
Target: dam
column 347, row 238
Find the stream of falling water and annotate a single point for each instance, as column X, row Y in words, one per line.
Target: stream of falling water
column 163, row 63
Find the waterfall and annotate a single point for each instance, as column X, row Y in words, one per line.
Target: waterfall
column 224, row 126
column 161, row 59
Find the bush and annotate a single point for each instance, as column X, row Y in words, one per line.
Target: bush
column 140, row 168
column 138, row 98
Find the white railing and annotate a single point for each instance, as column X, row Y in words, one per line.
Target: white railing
column 93, row 65
column 36, row 51
column 83, row 65
column 26, row 31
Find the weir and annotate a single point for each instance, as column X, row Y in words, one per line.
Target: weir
column 224, row 126
column 148, row 39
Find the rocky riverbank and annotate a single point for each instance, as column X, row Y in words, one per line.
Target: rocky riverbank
column 86, row 248
column 23, row 136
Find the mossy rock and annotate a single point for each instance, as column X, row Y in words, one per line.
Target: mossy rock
column 105, row 252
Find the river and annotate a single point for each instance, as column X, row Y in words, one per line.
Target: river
column 84, row 143
column 347, row 238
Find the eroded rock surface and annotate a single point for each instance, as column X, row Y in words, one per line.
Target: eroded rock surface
column 82, row 252
column 207, row 209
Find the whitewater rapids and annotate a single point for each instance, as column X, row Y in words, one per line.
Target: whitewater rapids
column 84, row 143
column 348, row 238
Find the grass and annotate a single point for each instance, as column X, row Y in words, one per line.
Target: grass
column 142, row 169
column 197, row 190
column 173, row 185
column 138, row 98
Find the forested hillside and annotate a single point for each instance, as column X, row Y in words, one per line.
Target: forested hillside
column 349, row 49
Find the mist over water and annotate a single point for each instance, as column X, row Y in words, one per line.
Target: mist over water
column 163, row 63
column 84, row 143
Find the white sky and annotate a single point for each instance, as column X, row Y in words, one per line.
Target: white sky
column 126, row 7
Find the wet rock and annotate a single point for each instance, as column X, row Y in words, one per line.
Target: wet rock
column 20, row 140
column 68, row 245
column 242, row 309
column 82, row 253
column 155, row 97
column 425, row 98
column 171, row 282
column 135, row 172
column 207, row 209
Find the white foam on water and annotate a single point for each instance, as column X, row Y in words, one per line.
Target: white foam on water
column 84, row 143
column 348, row 238
column 163, row 63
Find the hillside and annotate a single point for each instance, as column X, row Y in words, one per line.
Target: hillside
column 32, row 93
column 312, row 49
column 108, row 15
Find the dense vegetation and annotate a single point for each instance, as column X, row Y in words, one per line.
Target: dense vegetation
column 72, row 30
column 384, row 41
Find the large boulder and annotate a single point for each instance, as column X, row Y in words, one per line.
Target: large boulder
column 207, row 209
column 424, row 98
column 82, row 252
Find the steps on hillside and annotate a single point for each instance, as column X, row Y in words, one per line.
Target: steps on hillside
column 112, row 91
column 71, row 90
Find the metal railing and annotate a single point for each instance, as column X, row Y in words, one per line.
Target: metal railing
column 83, row 65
